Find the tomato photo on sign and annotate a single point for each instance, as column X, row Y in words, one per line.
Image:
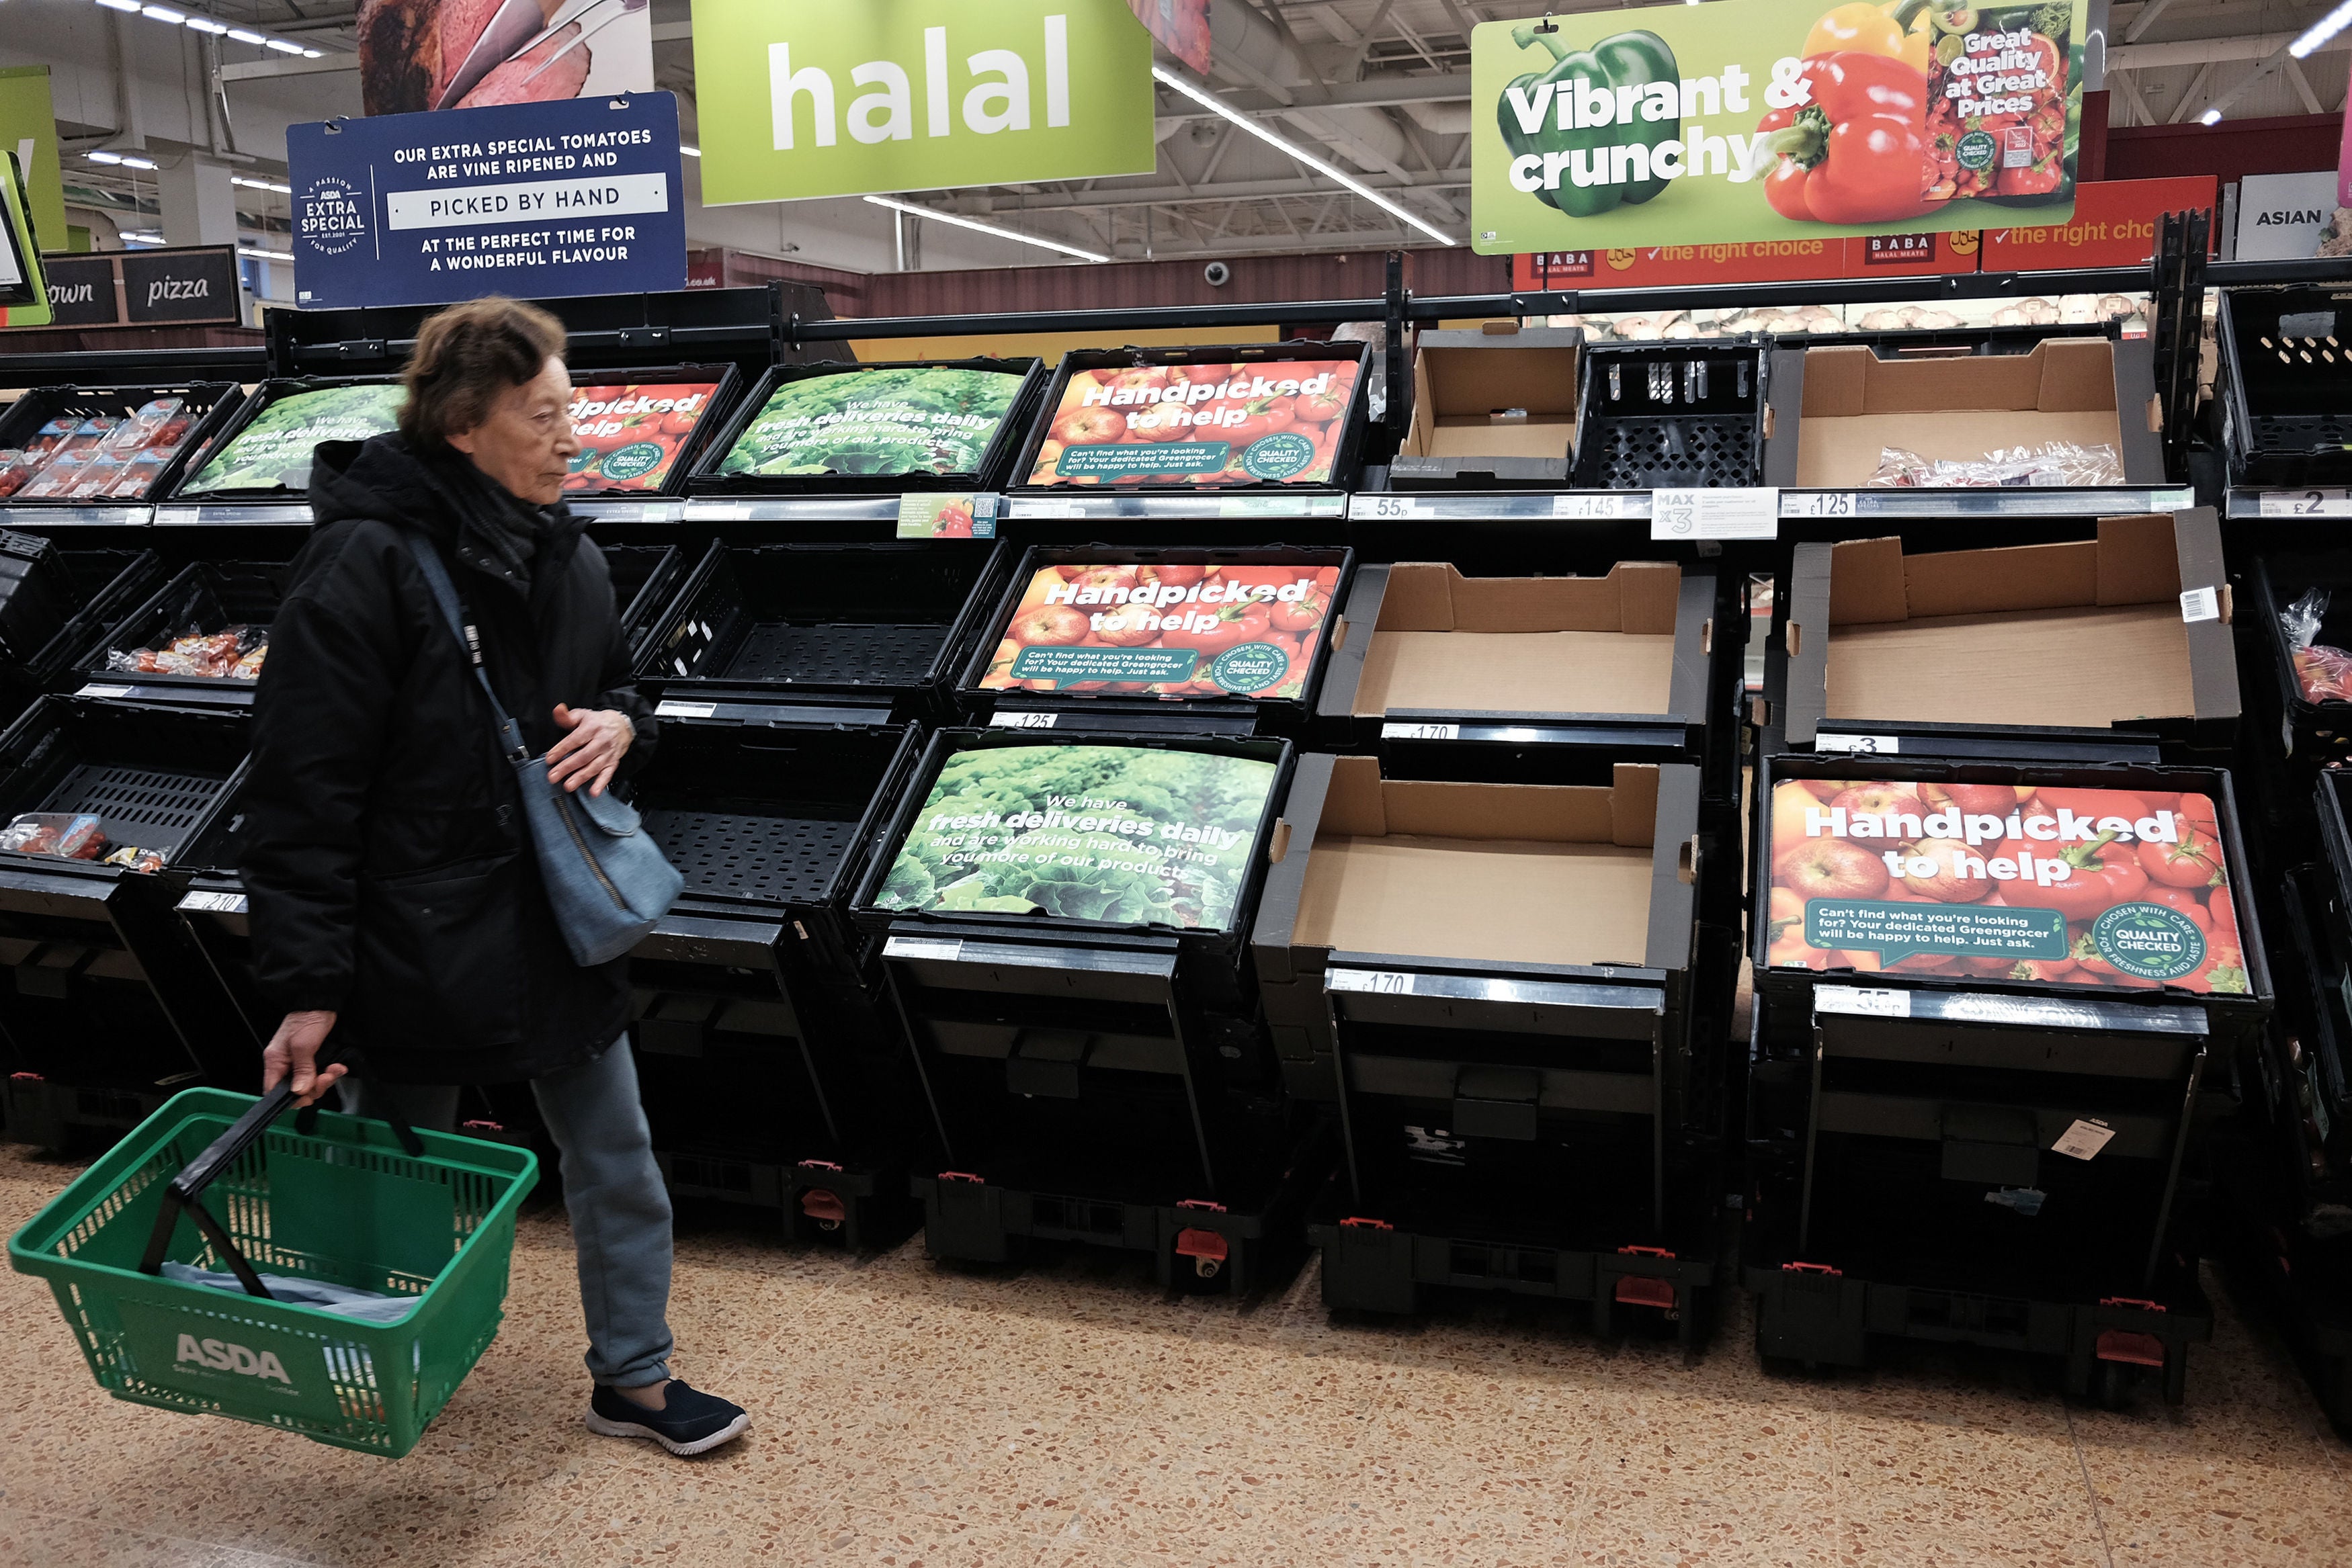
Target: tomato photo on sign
column 2194, row 862
column 1230, row 626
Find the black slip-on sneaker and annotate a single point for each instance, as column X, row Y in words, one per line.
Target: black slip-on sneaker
column 690, row 1422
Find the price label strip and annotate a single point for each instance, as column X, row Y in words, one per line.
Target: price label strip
column 2306, row 504
column 1678, row 516
column 1871, row 745
column 1019, row 720
column 1819, row 503
column 1587, row 507
column 1389, row 508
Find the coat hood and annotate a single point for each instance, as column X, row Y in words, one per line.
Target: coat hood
column 386, row 480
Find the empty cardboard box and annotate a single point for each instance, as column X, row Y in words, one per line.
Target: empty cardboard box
column 1494, row 406
column 1525, row 881
column 1841, row 408
column 2130, row 631
column 1422, row 641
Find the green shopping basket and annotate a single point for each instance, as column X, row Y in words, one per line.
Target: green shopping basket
column 336, row 1198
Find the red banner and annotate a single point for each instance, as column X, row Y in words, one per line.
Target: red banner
column 2113, row 224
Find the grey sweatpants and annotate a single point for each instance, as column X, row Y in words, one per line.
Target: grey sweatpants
column 612, row 1187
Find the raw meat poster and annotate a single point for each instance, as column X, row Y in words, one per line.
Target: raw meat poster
column 421, row 55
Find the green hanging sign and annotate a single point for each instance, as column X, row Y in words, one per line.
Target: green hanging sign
column 800, row 99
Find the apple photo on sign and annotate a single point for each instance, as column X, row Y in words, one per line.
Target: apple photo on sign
column 2127, row 888
column 420, row 55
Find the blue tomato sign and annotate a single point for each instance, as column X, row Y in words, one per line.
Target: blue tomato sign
column 537, row 200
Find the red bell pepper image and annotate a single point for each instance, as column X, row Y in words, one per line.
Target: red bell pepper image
column 1857, row 151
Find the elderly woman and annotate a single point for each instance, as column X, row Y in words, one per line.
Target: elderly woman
column 397, row 904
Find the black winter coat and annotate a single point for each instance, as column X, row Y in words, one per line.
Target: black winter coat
column 388, row 867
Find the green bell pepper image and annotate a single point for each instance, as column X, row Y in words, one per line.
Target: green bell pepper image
column 1588, row 107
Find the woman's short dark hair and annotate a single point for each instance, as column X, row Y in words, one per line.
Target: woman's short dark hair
column 465, row 357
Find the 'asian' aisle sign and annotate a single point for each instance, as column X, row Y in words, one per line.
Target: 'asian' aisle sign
column 539, row 199
column 814, row 97
column 1770, row 121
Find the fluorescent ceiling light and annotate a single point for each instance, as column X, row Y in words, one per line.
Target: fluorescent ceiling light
column 259, row 255
column 131, row 163
column 120, row 5
column 261, row 185
column 142, row 238
column 312, row 54
column 1217, row 106
column 2211, row 117
column 97, row 156
column 2319, row 32
column 205, row 25
column 163, row 13
column 238, row 33
column 689, row 151
column 963, row 222
column 282, row 46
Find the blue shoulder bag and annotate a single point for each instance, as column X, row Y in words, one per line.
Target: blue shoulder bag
column 607, row 880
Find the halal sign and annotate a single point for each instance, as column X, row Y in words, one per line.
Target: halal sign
column 333, row 216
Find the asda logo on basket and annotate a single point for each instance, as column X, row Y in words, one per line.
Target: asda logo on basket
column 221, row 1357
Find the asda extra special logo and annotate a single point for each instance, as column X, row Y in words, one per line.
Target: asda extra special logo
column 219, row 1356
column 331, row 216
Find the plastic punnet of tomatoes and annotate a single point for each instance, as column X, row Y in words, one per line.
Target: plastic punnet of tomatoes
column 2005, row 877
column 1274, row 416
column 1096, row 624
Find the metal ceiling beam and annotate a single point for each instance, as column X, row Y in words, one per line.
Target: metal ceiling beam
column 2205, row 51
column 1377, row 92
column 1171, row 195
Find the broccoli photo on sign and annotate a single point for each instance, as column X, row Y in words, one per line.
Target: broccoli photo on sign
column 906, row 420
column 1123, row 836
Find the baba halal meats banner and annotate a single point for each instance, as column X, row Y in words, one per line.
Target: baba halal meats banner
column 540, row 201
column 1772, row 120
column 422, row 55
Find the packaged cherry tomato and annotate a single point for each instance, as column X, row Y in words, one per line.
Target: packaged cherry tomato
column 66, row 834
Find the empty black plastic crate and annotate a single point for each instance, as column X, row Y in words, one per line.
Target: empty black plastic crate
column 1100, row 1058
column 645, row 579
column 106, row 990
column 1684, row 415
column 2286, row 384
column 759, row 1040
column 886, row 622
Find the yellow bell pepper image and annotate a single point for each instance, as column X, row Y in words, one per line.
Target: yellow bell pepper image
column 1898, row 30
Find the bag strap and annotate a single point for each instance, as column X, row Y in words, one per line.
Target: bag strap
column 445, row 594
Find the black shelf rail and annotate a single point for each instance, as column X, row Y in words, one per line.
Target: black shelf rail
column 331, row 343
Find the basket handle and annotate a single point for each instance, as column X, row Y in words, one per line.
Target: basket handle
column 184, row 1193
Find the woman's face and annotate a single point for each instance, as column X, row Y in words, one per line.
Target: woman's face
column 526, row 442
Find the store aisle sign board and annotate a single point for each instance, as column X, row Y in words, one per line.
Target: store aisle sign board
column 2280, row 215
column 1770, row 120
column 814, row 97
column 541, row 201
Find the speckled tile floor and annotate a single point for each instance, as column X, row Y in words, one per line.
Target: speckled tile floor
column 1072, row 1417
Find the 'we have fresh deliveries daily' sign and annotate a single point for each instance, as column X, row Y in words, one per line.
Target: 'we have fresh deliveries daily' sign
column 1772, row 120
column 816, row 98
